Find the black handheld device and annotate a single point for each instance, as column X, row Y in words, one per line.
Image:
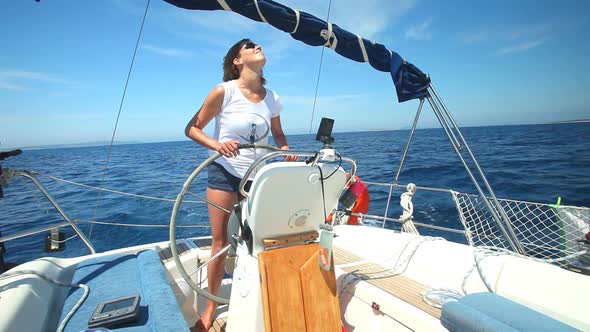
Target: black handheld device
column 115, row 312
column 324, row 134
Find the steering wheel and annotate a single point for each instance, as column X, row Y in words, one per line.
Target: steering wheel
column 176, row 208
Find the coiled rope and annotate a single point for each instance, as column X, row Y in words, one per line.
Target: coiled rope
column 85, row 288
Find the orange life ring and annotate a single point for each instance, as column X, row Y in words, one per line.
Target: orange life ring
column 360, row 189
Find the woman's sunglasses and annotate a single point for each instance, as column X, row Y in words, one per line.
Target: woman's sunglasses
column 249, row 45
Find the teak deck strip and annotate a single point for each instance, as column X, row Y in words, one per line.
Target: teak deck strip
column 281, row 240
column 402, row 287
column 218, row 325
column 342, row 256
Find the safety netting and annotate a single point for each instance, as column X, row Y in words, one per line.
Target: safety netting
column 549, row 232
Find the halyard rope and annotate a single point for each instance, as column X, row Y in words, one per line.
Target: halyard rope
column 106, row 164
column 317, row 83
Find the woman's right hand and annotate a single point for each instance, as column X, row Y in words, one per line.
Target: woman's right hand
column 228, row 149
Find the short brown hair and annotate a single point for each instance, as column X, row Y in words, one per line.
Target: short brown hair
column 230, row 71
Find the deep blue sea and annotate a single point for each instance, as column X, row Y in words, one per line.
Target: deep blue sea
column 527, row 162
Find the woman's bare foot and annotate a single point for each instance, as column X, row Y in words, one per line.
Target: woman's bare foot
column 205, row 322
column 199, row 327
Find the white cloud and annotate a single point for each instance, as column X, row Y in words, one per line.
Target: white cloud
column 369, row 18
column 420, row 31
column 216, row 21
column 529, row 31
column 515, row 39
column 172, row 52
column 474, row 37
column 13, row 79
column 521, row 47
column 29, row 75
column 9, row 86
column 524, row 38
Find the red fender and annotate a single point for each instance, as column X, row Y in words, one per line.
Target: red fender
column 361, row 205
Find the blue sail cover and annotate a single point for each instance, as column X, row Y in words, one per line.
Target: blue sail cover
column 410, row 82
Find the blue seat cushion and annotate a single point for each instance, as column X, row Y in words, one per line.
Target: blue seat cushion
column 485, row 312
column 120, row 275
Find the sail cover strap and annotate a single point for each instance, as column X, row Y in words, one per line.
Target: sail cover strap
column 296, row 24
column 410, row 82
column 330, row 37
column 259, row 12
column 223, row 5
column 362, row 46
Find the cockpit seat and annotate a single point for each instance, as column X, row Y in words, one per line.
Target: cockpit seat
column 120, row 275
column 29, row 301
column 290, row 198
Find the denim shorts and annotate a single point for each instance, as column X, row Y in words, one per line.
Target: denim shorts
column 220, row 179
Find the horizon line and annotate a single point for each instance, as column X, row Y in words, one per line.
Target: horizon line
column 131, row 142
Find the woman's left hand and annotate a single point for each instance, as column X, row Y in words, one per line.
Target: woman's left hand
column 290, row 157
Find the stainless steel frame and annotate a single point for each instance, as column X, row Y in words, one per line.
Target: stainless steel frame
column 460, row 145
column 68, row 221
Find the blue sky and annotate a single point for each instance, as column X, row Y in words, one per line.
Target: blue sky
column 63, row 66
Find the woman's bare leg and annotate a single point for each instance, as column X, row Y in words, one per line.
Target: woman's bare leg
column 215, row 269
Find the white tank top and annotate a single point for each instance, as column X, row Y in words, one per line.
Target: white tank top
column 242, row 120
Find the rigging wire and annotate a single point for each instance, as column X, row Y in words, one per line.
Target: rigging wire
column 114, row 191
column 119, row 114
column 112, row 223
column 34, row 194
column 45, row 208
column 317, row 83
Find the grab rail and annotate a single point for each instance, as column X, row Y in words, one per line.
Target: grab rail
column 68, row 222
column 280, row 153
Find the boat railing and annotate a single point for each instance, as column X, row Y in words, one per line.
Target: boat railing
column 9, row 173
column 385, row 218
column 549, row 232
column 546, row 231
column 33, row 231
column 68, row 221
column 469, row 162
